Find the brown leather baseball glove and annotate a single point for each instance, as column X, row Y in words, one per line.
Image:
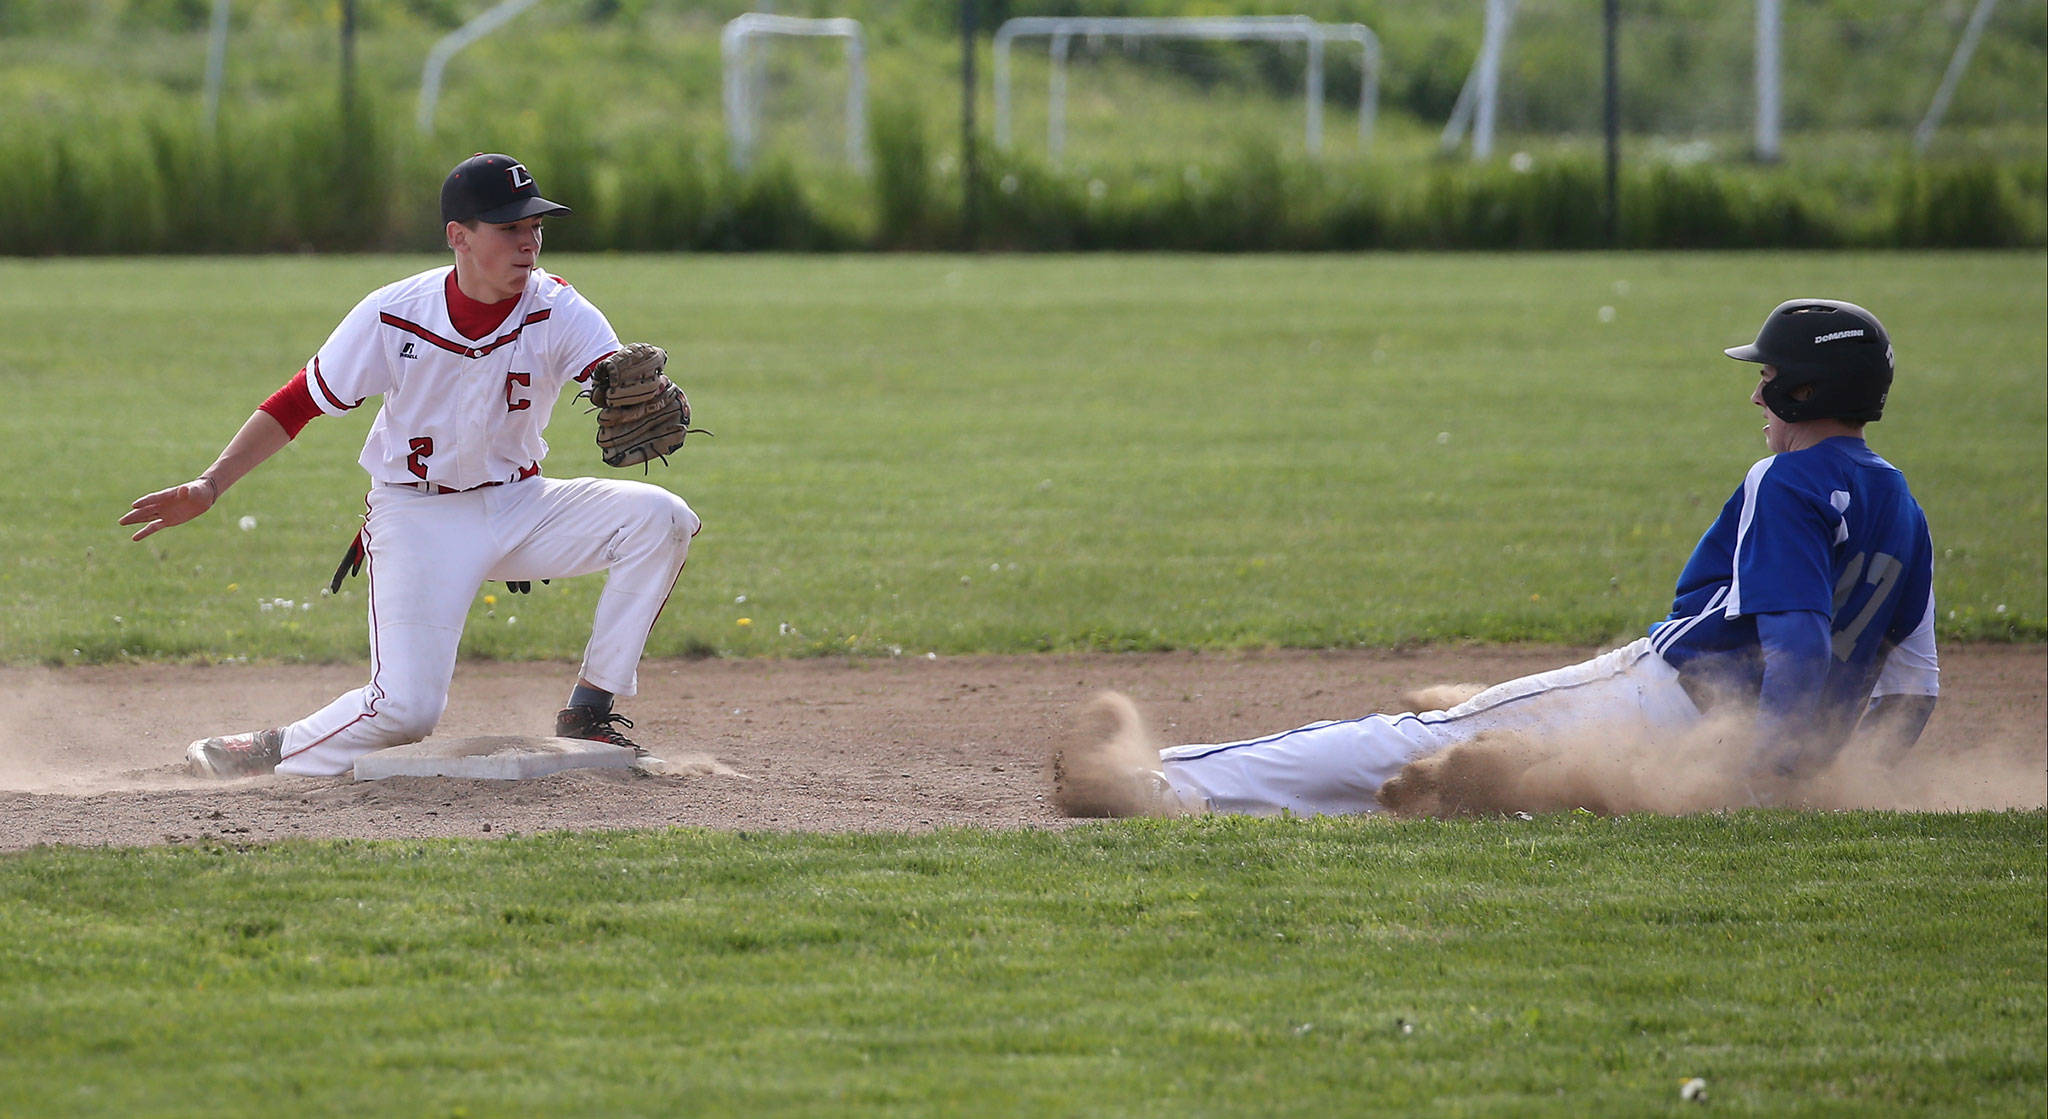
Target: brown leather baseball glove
column 641, row 414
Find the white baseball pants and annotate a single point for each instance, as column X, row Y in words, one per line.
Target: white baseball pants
column 428, row 554
column 1337, row 767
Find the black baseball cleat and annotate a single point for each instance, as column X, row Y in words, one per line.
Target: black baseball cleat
column 236, row 755
column 596, row 726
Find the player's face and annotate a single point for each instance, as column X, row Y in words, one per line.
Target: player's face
column 499, row 256
column 1777, row 433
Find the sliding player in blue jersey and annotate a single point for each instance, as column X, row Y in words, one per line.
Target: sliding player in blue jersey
column 1810, row 600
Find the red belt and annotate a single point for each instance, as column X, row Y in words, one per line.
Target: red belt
column 525, row 472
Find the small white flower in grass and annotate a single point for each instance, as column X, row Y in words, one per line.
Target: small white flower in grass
column 1606, row 314
column 1521, row 163
column 513, row 620
column 1443, row 438
column 1693, row 1090
column 739, row 599
column 247, row 523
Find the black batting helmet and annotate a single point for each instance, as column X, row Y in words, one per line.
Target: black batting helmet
column 1838, row 348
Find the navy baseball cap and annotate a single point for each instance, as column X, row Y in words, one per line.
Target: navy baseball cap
column 495, row 189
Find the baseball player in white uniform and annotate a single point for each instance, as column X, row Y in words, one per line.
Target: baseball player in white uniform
column 1809, row 601
column 469, row 361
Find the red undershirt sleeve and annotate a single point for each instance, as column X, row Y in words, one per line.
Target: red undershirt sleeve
column 292, row 405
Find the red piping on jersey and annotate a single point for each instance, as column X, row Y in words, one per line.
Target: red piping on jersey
column 422, row 333
column 585, row 375
column 328, row 392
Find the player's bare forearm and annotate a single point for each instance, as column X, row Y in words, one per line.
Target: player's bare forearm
column 261, row 436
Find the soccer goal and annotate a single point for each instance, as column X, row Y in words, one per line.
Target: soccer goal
column 1061, row 30
column 449, row 46
column 1722, row 68
column 743, row 86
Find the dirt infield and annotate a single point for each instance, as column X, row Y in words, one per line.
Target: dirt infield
column 92, row 756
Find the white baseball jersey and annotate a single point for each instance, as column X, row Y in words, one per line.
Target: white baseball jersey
column 458, row 412
column 464, row 416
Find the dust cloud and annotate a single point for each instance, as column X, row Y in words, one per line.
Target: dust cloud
column 1703, row 770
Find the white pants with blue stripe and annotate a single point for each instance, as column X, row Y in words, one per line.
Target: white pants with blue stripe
column 1336, row 767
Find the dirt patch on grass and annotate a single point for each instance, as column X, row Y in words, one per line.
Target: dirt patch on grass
column 93, row 756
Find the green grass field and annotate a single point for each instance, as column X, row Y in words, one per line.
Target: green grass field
column 1006, row 454
column 1803, row 965
column 1013, row 454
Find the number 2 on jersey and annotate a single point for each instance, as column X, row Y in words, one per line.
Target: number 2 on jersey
column 422, row 449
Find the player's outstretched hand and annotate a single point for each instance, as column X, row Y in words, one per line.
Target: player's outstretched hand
column 173, row 506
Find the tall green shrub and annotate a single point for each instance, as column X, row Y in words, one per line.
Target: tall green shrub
column 1972, row 205
column 299, row 175
column 908, row 213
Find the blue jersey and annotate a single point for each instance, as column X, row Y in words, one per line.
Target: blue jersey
column 1831, row 530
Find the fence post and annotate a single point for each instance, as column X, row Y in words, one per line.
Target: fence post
column 1612, row 68
column 216, row 62
column 970, row 164
column 1769, row 30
